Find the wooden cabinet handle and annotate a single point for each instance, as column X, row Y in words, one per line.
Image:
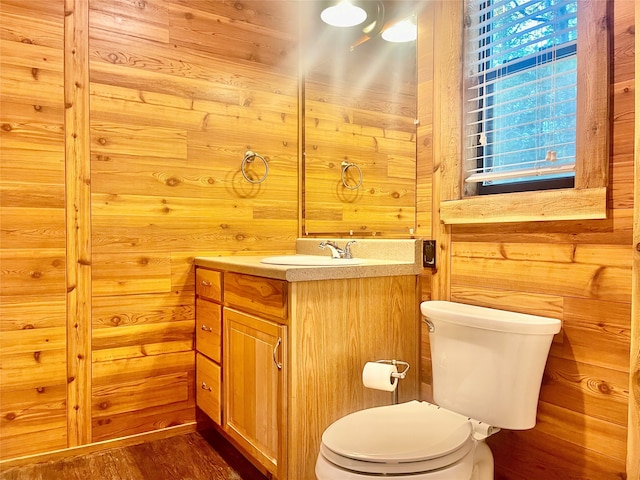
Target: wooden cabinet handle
column 205, row 283
column 206, row 387
column 275, row 354
column 206, row 329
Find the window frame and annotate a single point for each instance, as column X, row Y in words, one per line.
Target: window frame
column 588, row 198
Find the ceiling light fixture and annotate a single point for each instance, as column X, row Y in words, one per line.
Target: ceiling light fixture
column 404, row 31
column 343, row 14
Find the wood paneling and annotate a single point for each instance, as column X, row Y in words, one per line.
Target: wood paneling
column 633, row 438
column 579, row 271
column 123, row 127
column 33, row 343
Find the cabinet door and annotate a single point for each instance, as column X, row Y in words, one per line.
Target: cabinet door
column 255, row 384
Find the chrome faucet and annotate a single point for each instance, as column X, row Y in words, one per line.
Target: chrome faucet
column 337, row 252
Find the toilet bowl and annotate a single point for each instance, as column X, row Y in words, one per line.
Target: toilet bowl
column 413, row 440
column 487, row 368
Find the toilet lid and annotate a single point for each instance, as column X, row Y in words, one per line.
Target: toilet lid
column 409, row 432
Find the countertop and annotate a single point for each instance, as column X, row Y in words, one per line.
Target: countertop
column 399, row 257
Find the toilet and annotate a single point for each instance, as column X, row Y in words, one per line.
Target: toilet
column 487, row 371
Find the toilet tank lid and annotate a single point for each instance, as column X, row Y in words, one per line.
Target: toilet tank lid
column 489, row 318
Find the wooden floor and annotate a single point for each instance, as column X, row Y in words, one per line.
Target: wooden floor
column 194, row 456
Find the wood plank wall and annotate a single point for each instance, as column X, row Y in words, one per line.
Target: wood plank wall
column 178, row 91
column 578, row 271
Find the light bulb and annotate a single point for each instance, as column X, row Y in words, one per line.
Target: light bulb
column 344, row 14
column 404, row 31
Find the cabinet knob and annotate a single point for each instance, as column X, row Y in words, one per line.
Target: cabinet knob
column 205, row 283
column 206, row 329
column 206, row 387
column 275, row 354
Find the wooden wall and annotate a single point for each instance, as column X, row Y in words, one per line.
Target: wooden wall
column 577, row 271
column 178, row 91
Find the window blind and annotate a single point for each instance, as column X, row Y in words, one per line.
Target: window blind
column 520, row 100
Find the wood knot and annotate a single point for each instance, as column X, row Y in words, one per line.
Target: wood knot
column 603, row 387
column 28, row 326
column 238, row 6
column 104, row 405
column 211, row 180
column 224, row 226
column 10, row 416
column 71, row 379
column 6, row 127
column 102, row 141
column 240, row 237
column 172, row 181
column 637, row 247
column 34, row 73
column 395, row 195
column 36, row 356
column 143, row 261
column 37, row 108
column 188, row 16
column 27, row 40
column 33, row 274
column 141, row 4
column 40, row 389
column 116, row 320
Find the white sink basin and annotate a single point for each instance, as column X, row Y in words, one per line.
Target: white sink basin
column 310, row 260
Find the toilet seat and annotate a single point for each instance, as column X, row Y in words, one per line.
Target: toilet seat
column 408, row 438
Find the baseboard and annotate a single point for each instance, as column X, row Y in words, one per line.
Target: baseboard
column 98, row 446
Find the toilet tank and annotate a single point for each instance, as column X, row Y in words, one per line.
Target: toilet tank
column 488, row 364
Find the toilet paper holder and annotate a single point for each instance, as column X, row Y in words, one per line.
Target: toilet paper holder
column 399, row 375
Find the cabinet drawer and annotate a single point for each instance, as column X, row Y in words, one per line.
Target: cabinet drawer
column 209, row 284
column 209, row 329
column 264, row 296
column 208, row 391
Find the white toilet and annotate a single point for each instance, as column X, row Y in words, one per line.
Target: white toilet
column 487, row 370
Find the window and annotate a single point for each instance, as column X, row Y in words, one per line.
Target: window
column 458, row 200
column 520, row 119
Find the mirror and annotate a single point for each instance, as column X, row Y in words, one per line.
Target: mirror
column 359, row 129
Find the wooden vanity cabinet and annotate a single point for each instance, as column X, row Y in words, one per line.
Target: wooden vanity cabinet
column 293, row 354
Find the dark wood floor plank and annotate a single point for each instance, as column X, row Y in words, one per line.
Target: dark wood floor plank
column 195, row 456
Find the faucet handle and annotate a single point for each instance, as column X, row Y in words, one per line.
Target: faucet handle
column 335, row 251
column 347, row 249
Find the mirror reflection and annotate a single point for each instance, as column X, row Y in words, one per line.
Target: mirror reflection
column 359, row 122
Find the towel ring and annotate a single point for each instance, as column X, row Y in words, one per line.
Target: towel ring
column 345, row 167
column 249, row 157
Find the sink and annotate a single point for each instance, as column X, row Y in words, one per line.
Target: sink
column 311, row 260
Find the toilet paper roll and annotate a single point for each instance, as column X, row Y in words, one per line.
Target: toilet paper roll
column 378, row 376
